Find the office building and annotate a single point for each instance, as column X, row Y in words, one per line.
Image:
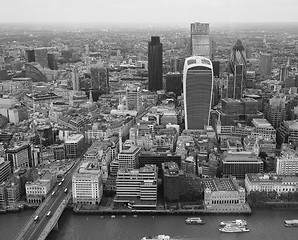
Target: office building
column 75, row 80
column 18, row 155
column 216, row 68
column 237, row 67
column 197, row 91
column 287, row 163
column 154, row 158
column 154, row 64
column 30, row 55
column 288, row 132
column 129, row 158
column 200, row 41
column 87, row 184
column 100, row 79
column 52, row 61
column 270, row 182
column 178, row 185
column 275, row 111
column 74, row 145
column 133, row 98
column 263, row 128
column 174, row 83
column 10, row 192
column 5, row 169
column 138, row 187
column 265, row 64
column 237, row 164
column 41, row 56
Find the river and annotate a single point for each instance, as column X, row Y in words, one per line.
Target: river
column 263, row 225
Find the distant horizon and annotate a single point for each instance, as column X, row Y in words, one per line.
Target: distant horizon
column 149, row 11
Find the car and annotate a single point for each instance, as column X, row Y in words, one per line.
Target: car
column 49, row 213
column 65, row 190
column 62, row 180
column 60, row 183
column 36, row 218
column 53, row 193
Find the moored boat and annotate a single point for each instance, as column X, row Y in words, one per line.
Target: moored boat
column 234, row 229
column 291, row 223
column 194, row 220
column 158, row 237
column 237, row 222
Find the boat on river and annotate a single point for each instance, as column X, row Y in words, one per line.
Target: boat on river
column 158, row 237
column 291, row 223
column 194, row 220
column 234, row 229
column 237, row 222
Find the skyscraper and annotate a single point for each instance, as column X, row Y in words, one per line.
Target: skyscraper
column 200, row 41
column 237, row 67
column 265, row 64
column 133, row 98
column 75, row 80
column 41, row 56
column 52, row 61
column 197, row 90
column 100, row 78
column 154, row 64
column 174, row 83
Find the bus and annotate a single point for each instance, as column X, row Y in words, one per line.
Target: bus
column 49, row 213
column 65, row 190
column 35, row 218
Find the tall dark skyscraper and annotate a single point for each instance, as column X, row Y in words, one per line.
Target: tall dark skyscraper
column 154, row 64
column 30, row 55
column 197, row 91
column 52, row 61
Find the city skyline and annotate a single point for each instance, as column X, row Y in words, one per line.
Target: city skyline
column 165, row 12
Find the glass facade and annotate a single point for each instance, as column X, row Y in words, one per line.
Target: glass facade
column 197, row 85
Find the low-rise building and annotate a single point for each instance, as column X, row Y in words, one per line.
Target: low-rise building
column 223, row 192
column 270, row 182
column 237, row 164
column 37, row 191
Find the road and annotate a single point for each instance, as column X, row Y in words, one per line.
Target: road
column 33, row 229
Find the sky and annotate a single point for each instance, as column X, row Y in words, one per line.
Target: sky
column 148, row 11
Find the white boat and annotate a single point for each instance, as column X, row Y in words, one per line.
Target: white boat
column 237, row 222
column 158, row 237
column 291, row 223
column 234, row 229
column 194, row 220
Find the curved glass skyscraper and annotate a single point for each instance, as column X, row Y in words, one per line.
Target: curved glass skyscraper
column 197, row 90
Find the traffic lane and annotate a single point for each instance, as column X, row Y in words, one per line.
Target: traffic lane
column 53, row 209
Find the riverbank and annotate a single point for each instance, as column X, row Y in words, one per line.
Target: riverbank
column 274, row 205
column 243, row 210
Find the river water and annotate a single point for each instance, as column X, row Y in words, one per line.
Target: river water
column 263, row 225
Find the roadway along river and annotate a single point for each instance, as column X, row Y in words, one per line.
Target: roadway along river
column 263, row 225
